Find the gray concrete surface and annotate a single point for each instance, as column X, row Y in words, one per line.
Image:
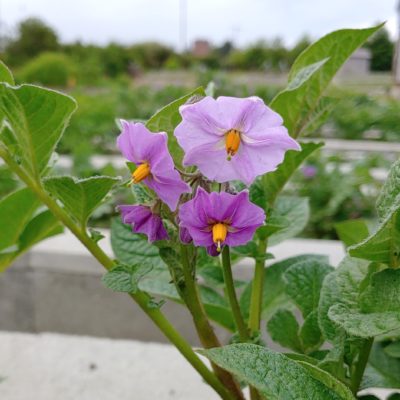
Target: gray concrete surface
column 61, row 367
column 57, row 287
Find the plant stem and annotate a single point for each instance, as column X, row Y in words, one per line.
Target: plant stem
column 362, row 361
column 257, row 290
column 141, row 298
column 233, row 301
column 190, row 294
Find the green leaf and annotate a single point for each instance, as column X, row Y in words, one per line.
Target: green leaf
column 352, row 231
column 274, row 294
column 304, row 283
column 296, row 211
column 384, row 244
column 319, row 116
column 390, row 193
column 364, row 325
column 273, row 374
column 41, row 226
column 158, row 282
column 382, row 293
column 328, row 380
column 213, row 277
column 393, row 350
column 5, row 74
column 310, row 333
column 377, row 311
column 80, row 197
column 284, row 329
column 251, row 250
column 166, row 120
column 382, row 370
column 298, row 102
column 340, row 287
column 125, row 278
column 133, row 248
column 37, row 118
column 16, row 210
column 273, row 182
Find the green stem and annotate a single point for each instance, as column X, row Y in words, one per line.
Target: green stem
column 358, row 373
column 141, row 298
column 230, row 289
column 257, row 290
column 190, row 294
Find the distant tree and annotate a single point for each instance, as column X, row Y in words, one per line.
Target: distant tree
column 381, row 48
column 225, row 49
column 33, row 37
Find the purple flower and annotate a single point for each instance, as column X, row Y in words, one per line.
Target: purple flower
column 215, row 219
column 155, row 166
column 143, row 221
column 309, row 171
column 231, row 138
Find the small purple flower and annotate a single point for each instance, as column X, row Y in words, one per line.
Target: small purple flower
column 309, row 171
column 215, row 219
column 231, row 138
column 155, row 166
column 144, row 221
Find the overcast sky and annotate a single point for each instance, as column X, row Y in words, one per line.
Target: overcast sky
column 243, row 21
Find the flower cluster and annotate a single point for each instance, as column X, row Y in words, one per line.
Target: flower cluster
column 226, row 139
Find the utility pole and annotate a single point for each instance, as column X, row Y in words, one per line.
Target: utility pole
column 183, row 25
column 396, row 61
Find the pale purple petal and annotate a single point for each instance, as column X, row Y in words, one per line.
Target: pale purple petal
column 168, row 189
column 140, row 145
column 201, row 134
column 143, row 221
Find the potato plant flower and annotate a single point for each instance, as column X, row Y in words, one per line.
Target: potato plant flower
column 155, row 167
column 231, row 138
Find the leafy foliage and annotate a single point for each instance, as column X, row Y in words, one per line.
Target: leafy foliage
column 37, row 118
column 80, row 197
column 273, row 182
column 286, row 378
column 132, row 249
column 298, row 101
column 125, row 278
column 23, row 225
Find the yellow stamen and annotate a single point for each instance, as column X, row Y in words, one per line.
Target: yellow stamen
column 219, row 232
column 232, row 143
column 141, row 172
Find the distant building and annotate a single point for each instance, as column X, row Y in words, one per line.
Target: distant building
column 201, row 48
column 358, row 63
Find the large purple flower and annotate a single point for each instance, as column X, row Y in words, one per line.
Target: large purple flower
column 231, row 138
column 144, row 221
column 155, row 166
column 214, row 219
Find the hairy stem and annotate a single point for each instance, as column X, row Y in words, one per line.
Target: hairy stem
column 233, row 301
column 257, row 290
column 190, row 294
column 362, row 361
column 141, row 298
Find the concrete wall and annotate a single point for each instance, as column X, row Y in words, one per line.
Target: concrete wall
column 57, row 288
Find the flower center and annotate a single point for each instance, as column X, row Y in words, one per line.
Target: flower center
column 232, row 142
column 141, row 172
column 219, row 232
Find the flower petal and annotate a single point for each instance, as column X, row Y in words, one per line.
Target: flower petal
column 143, row 221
